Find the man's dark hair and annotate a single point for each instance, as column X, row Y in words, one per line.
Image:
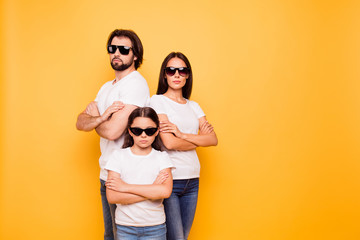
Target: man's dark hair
column 137, row 46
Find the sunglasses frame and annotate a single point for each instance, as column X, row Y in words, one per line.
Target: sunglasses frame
column 124, row 50
column 180, row 71
column 146, row 130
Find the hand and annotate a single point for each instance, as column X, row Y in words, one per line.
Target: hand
column 116, row 106
column 92, row 109
column 168, row 127
column 206, row 128
column 116, row 184
column 161, row 177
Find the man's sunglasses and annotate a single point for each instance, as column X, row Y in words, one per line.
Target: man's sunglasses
column 148, row 131
column 124, row 50
column 183, row 71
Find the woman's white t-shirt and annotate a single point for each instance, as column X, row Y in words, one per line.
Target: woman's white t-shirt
column 139, row 169
column 186, row 118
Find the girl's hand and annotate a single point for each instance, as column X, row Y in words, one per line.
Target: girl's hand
column 116, row 106
column 168, row 127
column 206, row 128
column 161, row 177
column 116, row 184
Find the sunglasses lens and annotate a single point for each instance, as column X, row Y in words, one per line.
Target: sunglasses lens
column 150, row 131
column 111, row 48
column 183, row 72
column 124, row 50
column 170, row 71
column 136, row 131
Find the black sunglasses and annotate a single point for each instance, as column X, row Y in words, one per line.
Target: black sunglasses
column 124, row 50
column 148, row 131
column 183, row 71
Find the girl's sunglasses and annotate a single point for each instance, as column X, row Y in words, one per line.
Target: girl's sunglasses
column 148, row 131
column 124, row 50
column 183, row 71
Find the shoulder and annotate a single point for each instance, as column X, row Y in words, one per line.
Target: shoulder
column 156, row 100
column 136, row 77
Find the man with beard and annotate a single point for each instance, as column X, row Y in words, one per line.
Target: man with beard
column 109, row 113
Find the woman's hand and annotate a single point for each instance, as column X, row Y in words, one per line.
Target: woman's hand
column 206, row 128
column 116, row 106
column 116, row 184
column 161, row 177
column 168, row 127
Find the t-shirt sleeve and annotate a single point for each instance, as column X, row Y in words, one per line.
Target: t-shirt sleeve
column 157, row 104
column 137, row 93
column 197, row 109
column 114, row 162
column 99, row 93
column 165, row 161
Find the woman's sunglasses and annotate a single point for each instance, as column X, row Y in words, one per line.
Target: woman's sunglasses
column 183, row 71
column 148, row 131
column 124, row 50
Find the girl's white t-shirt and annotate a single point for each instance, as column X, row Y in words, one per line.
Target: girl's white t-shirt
column 139, row 169
column 186, row 118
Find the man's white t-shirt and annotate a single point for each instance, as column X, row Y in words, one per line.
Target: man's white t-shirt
column 142, row 170
column 186, row 118
column 132, row 89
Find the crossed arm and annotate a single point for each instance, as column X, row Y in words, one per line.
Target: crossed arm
column 173, row 139
column 118, row 191
column 110, row 125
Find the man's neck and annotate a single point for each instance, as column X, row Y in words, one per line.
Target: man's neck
column 121, row 74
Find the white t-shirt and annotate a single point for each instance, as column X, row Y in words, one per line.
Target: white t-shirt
column 186, row 118
column 139, row 169
column 132, row 89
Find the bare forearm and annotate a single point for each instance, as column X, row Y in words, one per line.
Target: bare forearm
column 122, row 197
column 201, row 140
column 172, row 142
column 153, row 191
column 86, row 122
column 107, row 130
column 114, row 127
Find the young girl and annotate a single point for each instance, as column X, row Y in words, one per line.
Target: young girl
column 183, row 128
column 139, row 179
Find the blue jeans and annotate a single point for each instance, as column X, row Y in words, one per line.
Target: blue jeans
column 180, row 208
column 157, row 232
column 108, row 214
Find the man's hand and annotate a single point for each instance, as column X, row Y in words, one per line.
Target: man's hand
column 92, row 109
column 116, row 106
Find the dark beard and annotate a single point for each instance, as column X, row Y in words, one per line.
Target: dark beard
column 122, row 67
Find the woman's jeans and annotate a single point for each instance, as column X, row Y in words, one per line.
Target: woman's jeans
column 180, row 208
column 108, row 214
column 157, row 232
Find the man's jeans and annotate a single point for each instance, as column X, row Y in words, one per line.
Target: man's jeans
column 108, row 213
column 180, row 208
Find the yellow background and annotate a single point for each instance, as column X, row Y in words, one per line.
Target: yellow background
column 278, row 79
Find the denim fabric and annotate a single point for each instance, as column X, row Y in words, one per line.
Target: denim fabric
column 157, row 232
column 108, row 214
column 180, row 208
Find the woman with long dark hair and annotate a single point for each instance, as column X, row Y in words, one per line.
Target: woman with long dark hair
column 183, row 127
column 139, row 178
